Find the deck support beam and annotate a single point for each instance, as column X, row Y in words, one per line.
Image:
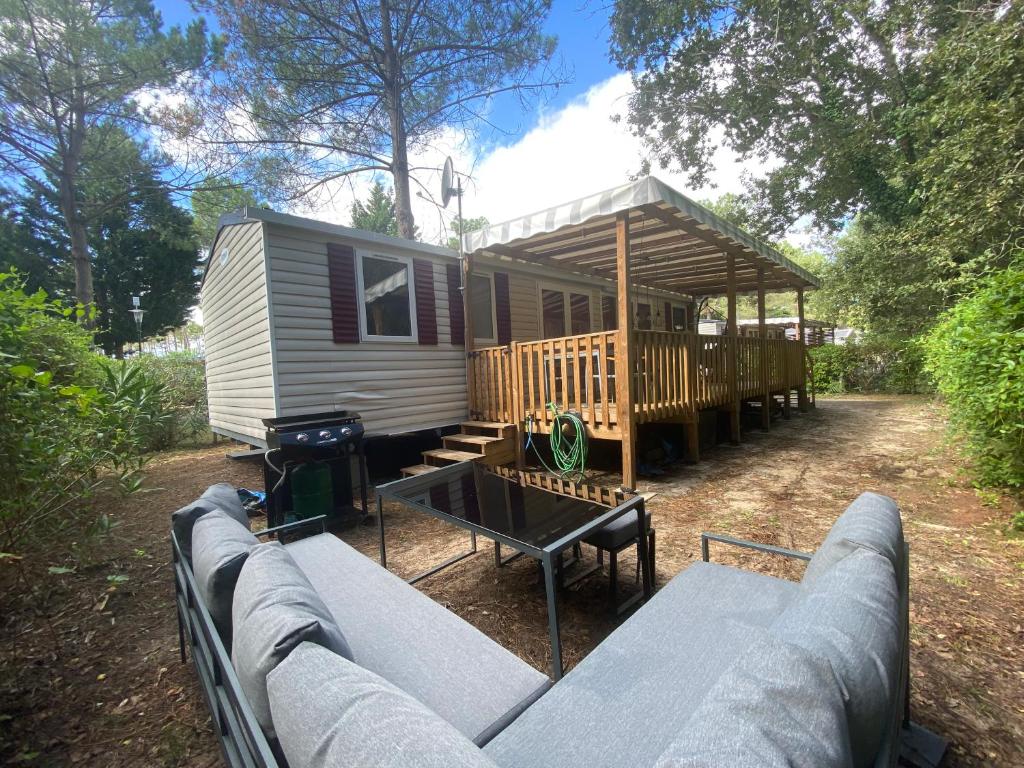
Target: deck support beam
column 624, row 352
column 762, row 334
column 801, row 392
column 730, row 332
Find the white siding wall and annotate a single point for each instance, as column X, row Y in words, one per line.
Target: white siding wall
column 395, row 387
column 526, row 282
column 239, row 376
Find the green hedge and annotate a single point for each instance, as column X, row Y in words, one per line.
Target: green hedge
column 877, row 364
column 182, row 378
column 73, row 421
column 976, row 355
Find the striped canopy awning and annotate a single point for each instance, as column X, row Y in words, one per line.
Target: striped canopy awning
column 675, row 244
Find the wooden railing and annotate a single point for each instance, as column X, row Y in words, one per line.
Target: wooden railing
column 489, row 380
column 675, row 374
column 712, row 380
column 576, row 372
column 663, row 374
column 748, row 364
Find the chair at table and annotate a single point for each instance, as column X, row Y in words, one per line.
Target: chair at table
column 615, row 537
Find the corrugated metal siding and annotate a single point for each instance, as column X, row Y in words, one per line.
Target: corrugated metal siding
column 396, row 387
column 239, row 376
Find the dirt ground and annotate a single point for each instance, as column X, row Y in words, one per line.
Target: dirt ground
column 90, row 670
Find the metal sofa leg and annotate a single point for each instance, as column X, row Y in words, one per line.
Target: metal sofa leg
column 613, row 579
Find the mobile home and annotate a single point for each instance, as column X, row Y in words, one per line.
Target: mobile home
column 302, row 316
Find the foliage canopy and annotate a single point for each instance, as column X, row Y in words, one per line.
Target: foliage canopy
column 329, row 89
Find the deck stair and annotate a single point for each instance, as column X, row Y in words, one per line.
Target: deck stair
column 489, row 442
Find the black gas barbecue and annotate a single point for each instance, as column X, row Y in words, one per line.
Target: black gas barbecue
column 308, row 467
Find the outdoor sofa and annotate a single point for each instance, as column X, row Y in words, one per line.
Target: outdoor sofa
column 311, row 654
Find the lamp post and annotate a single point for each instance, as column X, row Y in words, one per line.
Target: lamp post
column 137, row 314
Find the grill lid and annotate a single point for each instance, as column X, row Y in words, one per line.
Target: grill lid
column 309, row 421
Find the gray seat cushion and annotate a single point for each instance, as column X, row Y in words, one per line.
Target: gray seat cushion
column 777, row 706
column 850, row 615
column 402, row 635
column 630, row 698
column 275, row 609
column 220, row 496
column 330, row 712
column 618, row 531
column 220, row 546
column 871, row 521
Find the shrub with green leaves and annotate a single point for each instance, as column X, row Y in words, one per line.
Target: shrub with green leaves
column 73, row 421
column 877, row 364
column 976, row 354
column 182, row 377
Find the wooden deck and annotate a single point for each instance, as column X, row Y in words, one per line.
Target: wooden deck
column 675, row 376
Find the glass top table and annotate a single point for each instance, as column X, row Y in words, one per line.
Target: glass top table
column 531, row 521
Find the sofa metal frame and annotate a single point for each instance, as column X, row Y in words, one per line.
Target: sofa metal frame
column 241, row 738
column 902, row 738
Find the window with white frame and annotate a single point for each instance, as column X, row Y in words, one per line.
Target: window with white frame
column 387, row 298
column 481, row 305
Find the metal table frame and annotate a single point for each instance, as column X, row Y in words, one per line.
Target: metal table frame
column 548, row 556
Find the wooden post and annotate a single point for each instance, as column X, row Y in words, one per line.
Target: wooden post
column 762, row 332
column 624, row 361
column 467, row 323
column 518, row 417
column 801, row 392
column 731, row 341
column 693, row 426
column 691, row 316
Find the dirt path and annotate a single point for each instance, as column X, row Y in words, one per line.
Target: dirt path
column 116, row 694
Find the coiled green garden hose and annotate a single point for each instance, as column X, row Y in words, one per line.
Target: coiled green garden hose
column 568, row 445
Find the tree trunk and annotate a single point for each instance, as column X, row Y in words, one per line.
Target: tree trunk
column 79, row 243
column 403, row 201
column 396, row 116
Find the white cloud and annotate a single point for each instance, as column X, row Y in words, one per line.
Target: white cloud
column 572, row 152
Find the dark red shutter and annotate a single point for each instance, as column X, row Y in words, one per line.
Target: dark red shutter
column 426, row 309
column 455, row 317
column 341, row 277
column 502, row 308
column 668, row 317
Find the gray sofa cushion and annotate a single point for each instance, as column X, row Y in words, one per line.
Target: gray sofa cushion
column 330, row 712
column 850, row 615
column 220, row 546
column 220, row 496
column 225, row 497
column 871, row 521
column 630, row 698
column 275, row 609
column 777, row 706
column 402, row 635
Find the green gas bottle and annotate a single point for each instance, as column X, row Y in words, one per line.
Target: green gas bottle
column 312, row 491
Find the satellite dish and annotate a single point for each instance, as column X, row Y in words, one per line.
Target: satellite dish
column 447, row 177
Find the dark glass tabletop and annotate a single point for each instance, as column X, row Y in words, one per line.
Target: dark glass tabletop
column 475, row 495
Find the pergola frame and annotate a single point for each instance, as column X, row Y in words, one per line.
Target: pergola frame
column 648, row 235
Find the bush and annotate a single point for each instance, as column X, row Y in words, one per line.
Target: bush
column 182, row 377
column 877, row 364
column 72, row 423
column 976, row 354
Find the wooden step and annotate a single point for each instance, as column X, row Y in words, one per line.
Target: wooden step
column 417, row 469
column 442, row 457
column 474, row 443
column 489, row 428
